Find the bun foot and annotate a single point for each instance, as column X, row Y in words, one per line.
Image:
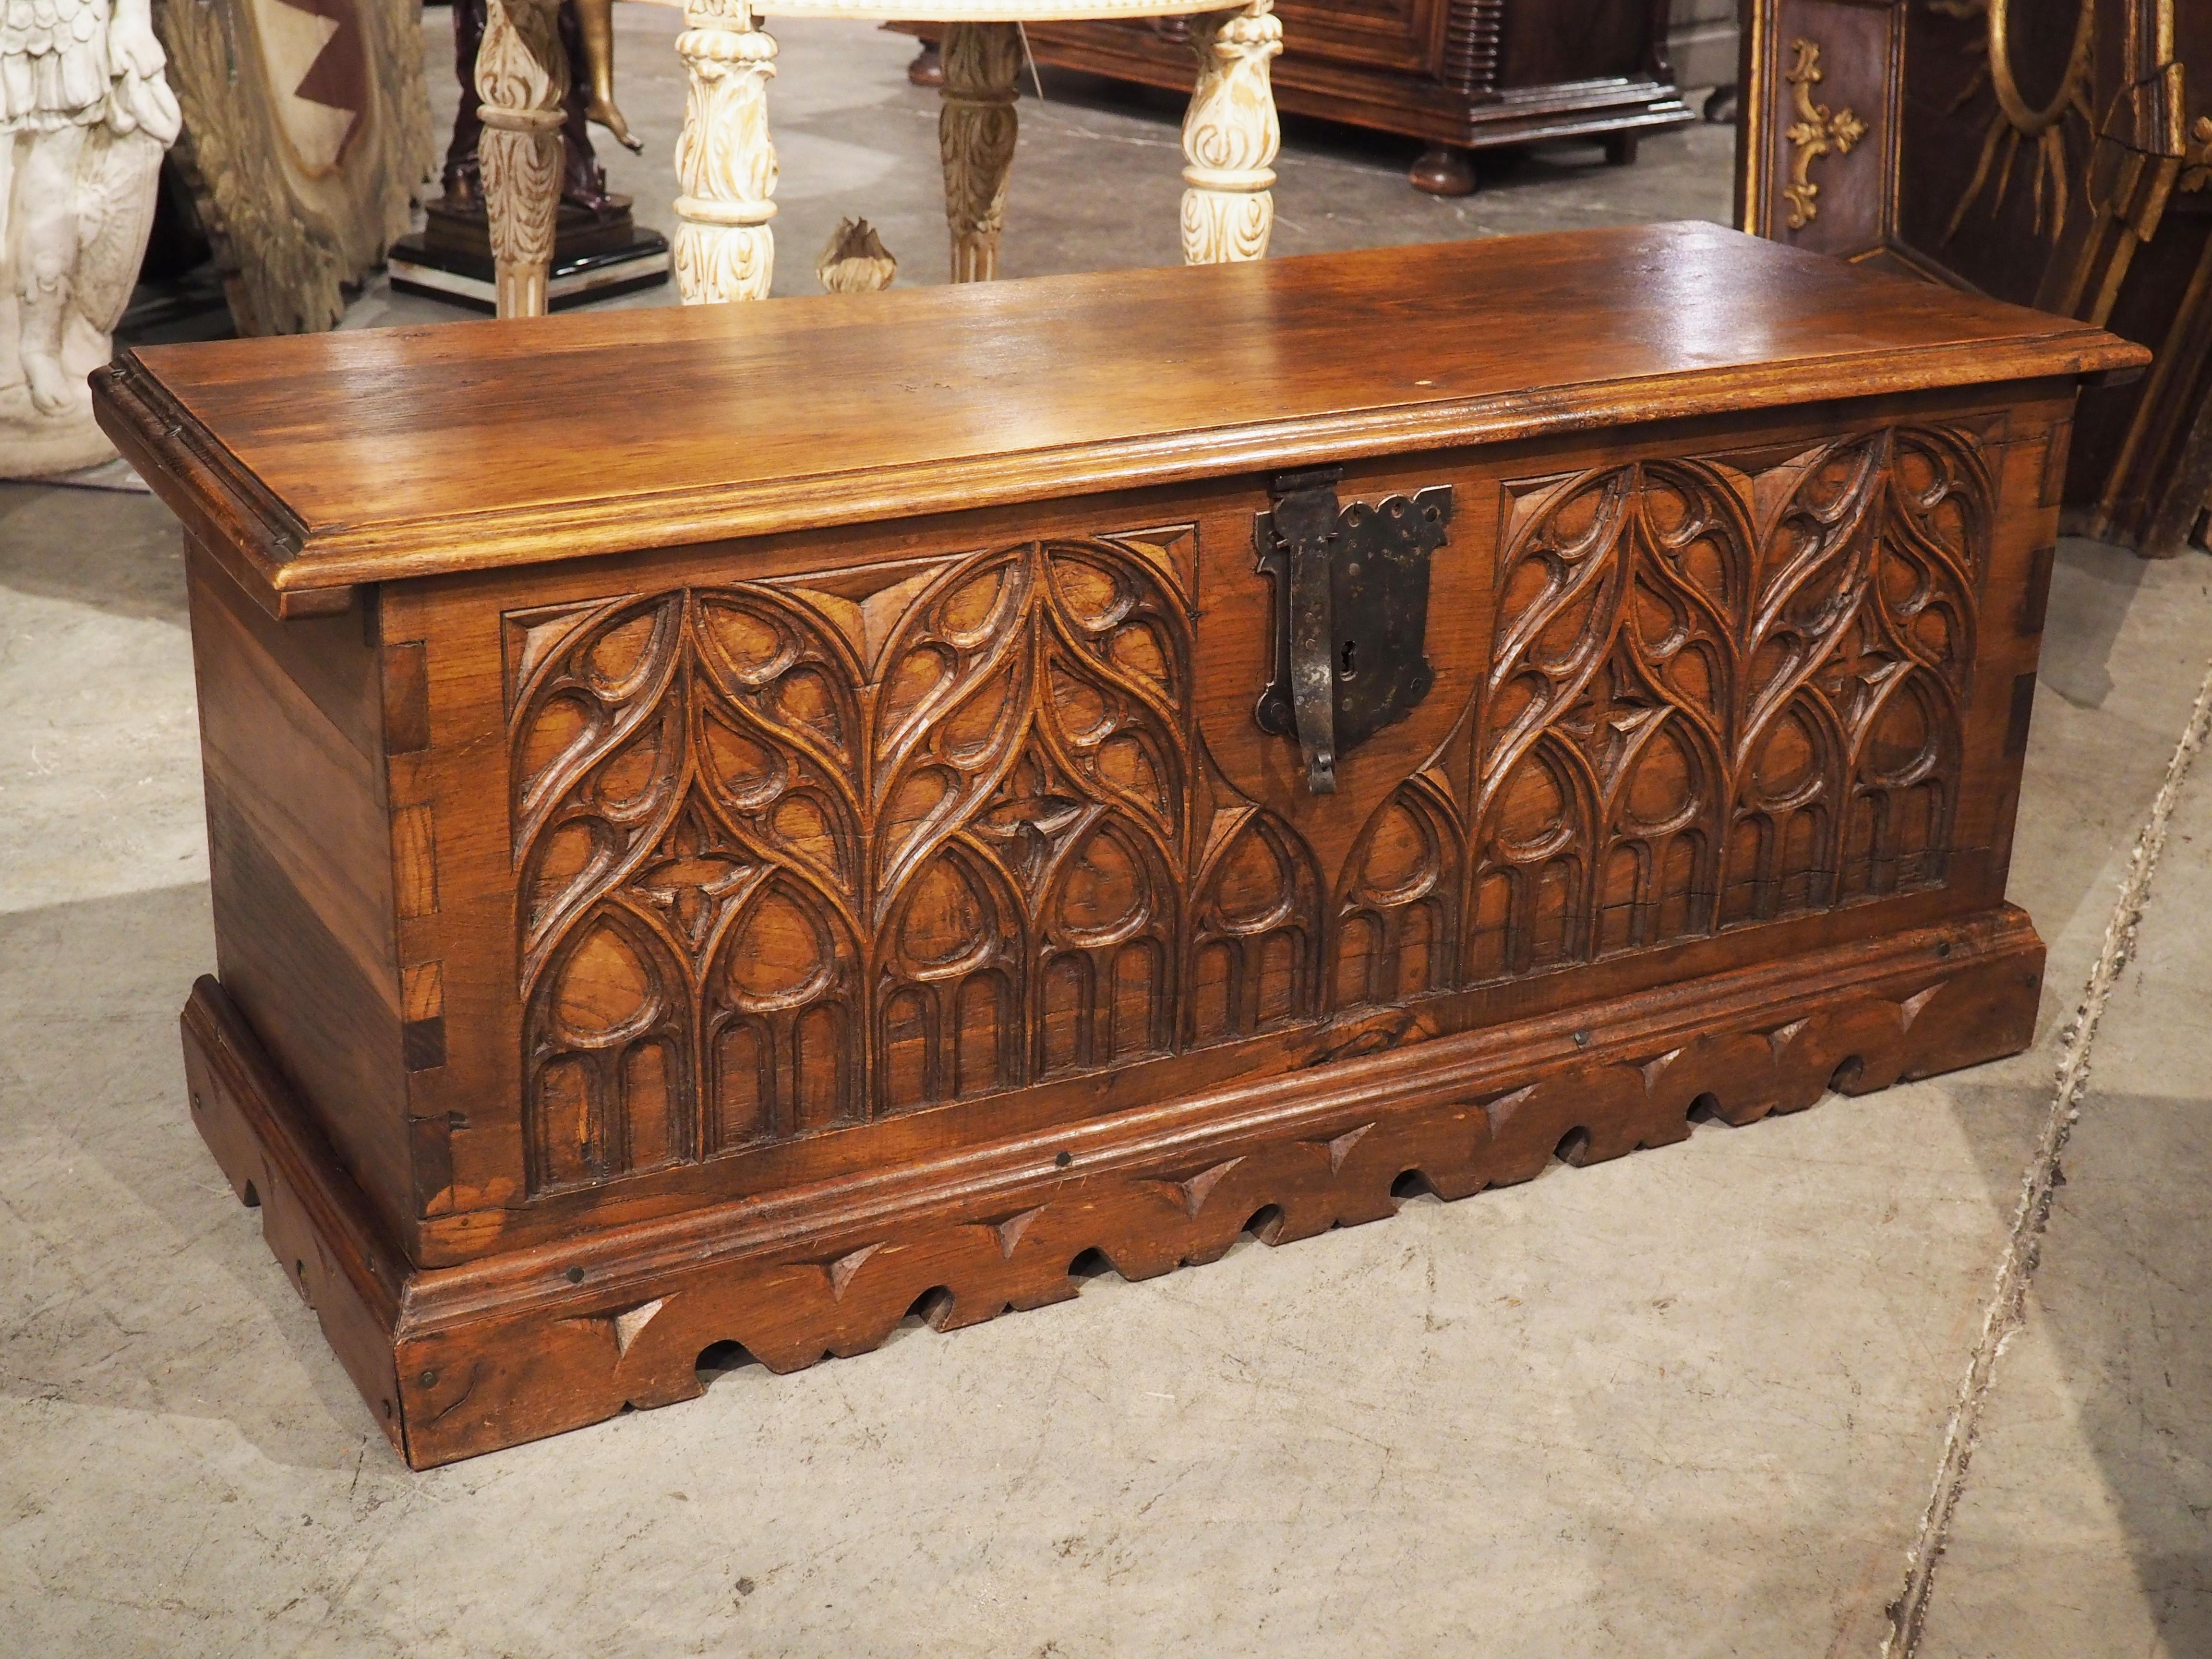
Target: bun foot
column 1443, row 170
column 927, row 70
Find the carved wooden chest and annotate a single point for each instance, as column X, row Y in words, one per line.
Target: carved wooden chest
column 738, row 824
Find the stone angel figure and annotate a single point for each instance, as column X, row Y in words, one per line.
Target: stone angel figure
column 85, row 115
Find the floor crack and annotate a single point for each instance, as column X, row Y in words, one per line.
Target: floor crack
column 2001, row 1314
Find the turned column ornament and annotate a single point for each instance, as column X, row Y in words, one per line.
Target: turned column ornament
column 1231, row 135
column 725, row 159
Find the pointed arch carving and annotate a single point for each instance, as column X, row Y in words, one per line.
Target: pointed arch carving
column 609, row 1054
column 1600, row 795
column 1254, row 943
column 1848, row 763
column 1722, row 693
column 858, row 846
column 1036, row 718
column 781, row 1020
column 1395, row 923
column 799, row 852
column 677, row 764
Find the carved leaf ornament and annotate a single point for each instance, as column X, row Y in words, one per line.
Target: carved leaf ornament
column 1817, row 132
column 1231, row 136
column 788, row 860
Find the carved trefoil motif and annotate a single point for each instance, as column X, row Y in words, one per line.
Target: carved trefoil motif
column 1715, row 696
column 792, row 855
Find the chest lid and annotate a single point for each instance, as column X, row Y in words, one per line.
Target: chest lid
column 316, row 462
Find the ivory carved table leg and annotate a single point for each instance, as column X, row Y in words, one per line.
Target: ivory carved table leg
column 1231, row 135
column 725, row 159
column 521, row 76
column 975, row 129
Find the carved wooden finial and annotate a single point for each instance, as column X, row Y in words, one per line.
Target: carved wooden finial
column 855, row 261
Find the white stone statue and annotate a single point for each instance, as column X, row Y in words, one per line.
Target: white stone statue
column 84, row 116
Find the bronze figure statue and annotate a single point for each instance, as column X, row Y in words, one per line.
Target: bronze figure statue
column 587, row 40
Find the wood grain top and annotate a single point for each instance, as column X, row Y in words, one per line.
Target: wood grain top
column 325, row 461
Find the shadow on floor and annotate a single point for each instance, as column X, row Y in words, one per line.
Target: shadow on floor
column 115, row 550
column 2092, row 586
column 2126, row 1294
column 144, row 1284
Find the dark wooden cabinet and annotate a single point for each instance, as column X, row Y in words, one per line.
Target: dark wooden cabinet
column 1251, row 741
column 1458, row 75
column 2058, row 153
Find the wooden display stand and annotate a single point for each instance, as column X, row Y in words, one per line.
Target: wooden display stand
column 724, row 244
column 1248, row 735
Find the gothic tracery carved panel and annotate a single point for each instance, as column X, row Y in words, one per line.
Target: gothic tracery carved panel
column 1848, row 766
column 792, row 856
column 1715, row 696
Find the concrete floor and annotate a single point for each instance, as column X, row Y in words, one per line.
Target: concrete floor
column 1693, row 1403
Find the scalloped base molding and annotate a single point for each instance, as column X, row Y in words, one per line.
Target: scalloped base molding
column 461, row 1360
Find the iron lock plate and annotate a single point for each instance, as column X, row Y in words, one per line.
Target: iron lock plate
column 1351, row 613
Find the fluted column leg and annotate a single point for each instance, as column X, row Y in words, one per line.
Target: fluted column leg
column 975, row 129
column 1231, row 135
column 521, row 75
column 725, row 159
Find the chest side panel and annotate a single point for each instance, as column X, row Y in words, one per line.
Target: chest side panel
column 929, row 835
column 304, row 869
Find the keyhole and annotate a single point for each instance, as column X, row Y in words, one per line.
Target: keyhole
column 1350, row 668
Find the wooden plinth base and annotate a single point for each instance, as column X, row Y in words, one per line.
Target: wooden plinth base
column 460, row 1360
